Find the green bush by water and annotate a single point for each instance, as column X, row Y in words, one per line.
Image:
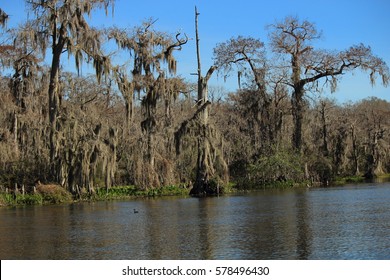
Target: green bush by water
column 123, row 192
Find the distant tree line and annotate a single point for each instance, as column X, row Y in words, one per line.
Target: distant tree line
column 139, row 123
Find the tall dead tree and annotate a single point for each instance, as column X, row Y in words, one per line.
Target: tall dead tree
column 204, row 168
column 207, row 138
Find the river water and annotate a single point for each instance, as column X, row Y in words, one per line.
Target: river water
column 349, row 222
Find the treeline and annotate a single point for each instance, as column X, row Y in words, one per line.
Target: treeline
column 139, row 123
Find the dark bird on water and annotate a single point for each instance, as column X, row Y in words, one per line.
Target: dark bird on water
column 135, row 211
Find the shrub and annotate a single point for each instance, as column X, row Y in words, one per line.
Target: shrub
column 280, row 167
column 6, row 199
column 29, row 199
column 321, row 171
column 53, row 193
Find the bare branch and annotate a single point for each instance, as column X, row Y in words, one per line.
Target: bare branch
column 3, row 18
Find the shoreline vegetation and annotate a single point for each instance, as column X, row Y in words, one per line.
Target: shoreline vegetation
column 55, row 194
column 128, row 129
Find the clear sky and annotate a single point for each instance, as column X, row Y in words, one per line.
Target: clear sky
column 343, row 22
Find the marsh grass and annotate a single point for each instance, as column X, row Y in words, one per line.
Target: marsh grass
column 45, row 194
column 125, row 192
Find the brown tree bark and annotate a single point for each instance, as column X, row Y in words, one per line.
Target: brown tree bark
column 204, row 167
column 57, row 48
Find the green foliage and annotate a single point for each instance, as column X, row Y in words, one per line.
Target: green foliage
column 6, row 199
column 52, row 194
column 10, row 199
column 116, row 192
column 321, row 170
column 167, row 191
column 29, row 199
column 280, row 168
column 348, row 179
column 124, row 192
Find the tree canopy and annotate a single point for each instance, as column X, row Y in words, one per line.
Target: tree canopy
column 294, row 38
column 136, row 121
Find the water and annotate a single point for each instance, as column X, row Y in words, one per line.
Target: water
column 351, row 222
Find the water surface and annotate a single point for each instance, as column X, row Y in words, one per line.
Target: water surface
column 350, row 222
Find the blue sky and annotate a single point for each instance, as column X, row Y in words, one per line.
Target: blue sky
column 343, row 22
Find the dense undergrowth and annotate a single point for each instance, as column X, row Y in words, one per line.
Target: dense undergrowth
column 56, row 195
column 52, row 194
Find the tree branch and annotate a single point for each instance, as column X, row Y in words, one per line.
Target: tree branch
column 210, row 72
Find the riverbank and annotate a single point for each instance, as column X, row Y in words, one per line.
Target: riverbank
column 52, row 194
column 348, row 222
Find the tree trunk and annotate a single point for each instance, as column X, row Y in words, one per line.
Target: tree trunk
column 203, row 168
column 150, row 147
column 57, row 48
column 297, row 102
column 129, row 111
column 355, row 159
column 297, row 112
column 325, row 150
column 15, row 128
column 53, row 110
column 203, row 165
column 111, row 158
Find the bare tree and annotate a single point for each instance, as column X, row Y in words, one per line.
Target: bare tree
column 205, row 134
column 247, row 55
column 240, row 53
column 203, row 166
column 307, row 65
column 373, row 118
